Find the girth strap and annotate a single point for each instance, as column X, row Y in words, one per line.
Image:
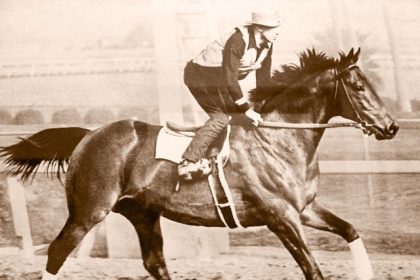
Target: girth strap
column 222, row 196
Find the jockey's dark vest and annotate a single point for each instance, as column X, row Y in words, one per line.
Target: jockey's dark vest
column 212, row 55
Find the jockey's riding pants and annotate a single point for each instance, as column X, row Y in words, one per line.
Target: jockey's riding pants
column 215, row 100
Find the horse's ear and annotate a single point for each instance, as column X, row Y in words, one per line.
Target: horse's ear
column 350, row 54
column 356, row 55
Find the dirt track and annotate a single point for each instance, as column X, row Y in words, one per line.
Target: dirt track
column 241, row 263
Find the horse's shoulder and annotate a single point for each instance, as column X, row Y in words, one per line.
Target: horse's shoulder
column 312, row 170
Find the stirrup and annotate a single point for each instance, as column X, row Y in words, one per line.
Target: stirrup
column 192, row 170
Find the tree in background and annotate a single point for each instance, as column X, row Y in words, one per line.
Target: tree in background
column 140, row 37
column 29, row 116
column 332, row 47
column 403, row 98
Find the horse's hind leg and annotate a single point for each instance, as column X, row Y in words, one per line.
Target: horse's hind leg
column 82, row 218
column 317, row 216
column 147, row 225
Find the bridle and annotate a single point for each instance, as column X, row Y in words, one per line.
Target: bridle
column 363, row 125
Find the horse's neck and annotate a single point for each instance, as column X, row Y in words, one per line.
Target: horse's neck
column 310, row 113
column 300, row 111
column 305, row 141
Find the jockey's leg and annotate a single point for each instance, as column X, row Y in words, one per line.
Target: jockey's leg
column 205, row 136
column 317, row 216
column 212, row 101
column 201, row 142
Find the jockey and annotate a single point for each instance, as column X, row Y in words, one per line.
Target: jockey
column 212, row 77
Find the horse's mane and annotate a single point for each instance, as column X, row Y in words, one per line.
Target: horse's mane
column 311, row 62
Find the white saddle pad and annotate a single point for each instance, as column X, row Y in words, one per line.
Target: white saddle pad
column 170, row 145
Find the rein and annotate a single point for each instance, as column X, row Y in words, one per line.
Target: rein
column 309, row 125
column 360, row 125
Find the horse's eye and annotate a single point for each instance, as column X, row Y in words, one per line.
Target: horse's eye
column 359, row 87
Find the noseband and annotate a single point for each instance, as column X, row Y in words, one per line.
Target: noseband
column 338, row 76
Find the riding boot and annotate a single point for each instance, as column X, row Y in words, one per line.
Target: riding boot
column 188, row 170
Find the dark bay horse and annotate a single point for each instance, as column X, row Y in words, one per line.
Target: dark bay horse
column 273, row 173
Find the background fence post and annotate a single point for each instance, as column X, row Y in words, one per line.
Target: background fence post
column 20, row 215
column 369, row 175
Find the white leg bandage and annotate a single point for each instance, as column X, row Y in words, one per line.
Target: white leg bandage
column 361, row 260
column 48, row 276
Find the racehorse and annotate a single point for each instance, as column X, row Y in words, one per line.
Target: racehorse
column 272, row 171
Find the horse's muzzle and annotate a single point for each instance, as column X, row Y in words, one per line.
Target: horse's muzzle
column 387, row 132
column 393, row 129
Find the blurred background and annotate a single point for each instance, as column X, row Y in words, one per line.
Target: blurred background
column 92, row 62
column 89, row 60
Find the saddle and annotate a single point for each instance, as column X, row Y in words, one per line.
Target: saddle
column 182, row 128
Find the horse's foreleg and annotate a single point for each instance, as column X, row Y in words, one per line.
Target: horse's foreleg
column 317, row 216
column 147, row 225
column 288, row 228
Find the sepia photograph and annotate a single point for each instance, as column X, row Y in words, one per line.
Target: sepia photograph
column 209, row 139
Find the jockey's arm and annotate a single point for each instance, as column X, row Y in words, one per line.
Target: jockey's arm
column 232, row 54
column 263, row 75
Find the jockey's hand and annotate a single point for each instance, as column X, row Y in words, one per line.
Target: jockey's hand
column 254, row 116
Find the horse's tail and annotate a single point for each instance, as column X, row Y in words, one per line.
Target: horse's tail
column 51, row 147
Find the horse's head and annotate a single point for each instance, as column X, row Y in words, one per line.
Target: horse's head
column 322, row 87
column 357, row 99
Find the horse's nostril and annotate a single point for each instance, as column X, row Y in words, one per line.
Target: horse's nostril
column 393, row 128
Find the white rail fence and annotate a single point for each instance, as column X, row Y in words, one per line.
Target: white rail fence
column 76, row 67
